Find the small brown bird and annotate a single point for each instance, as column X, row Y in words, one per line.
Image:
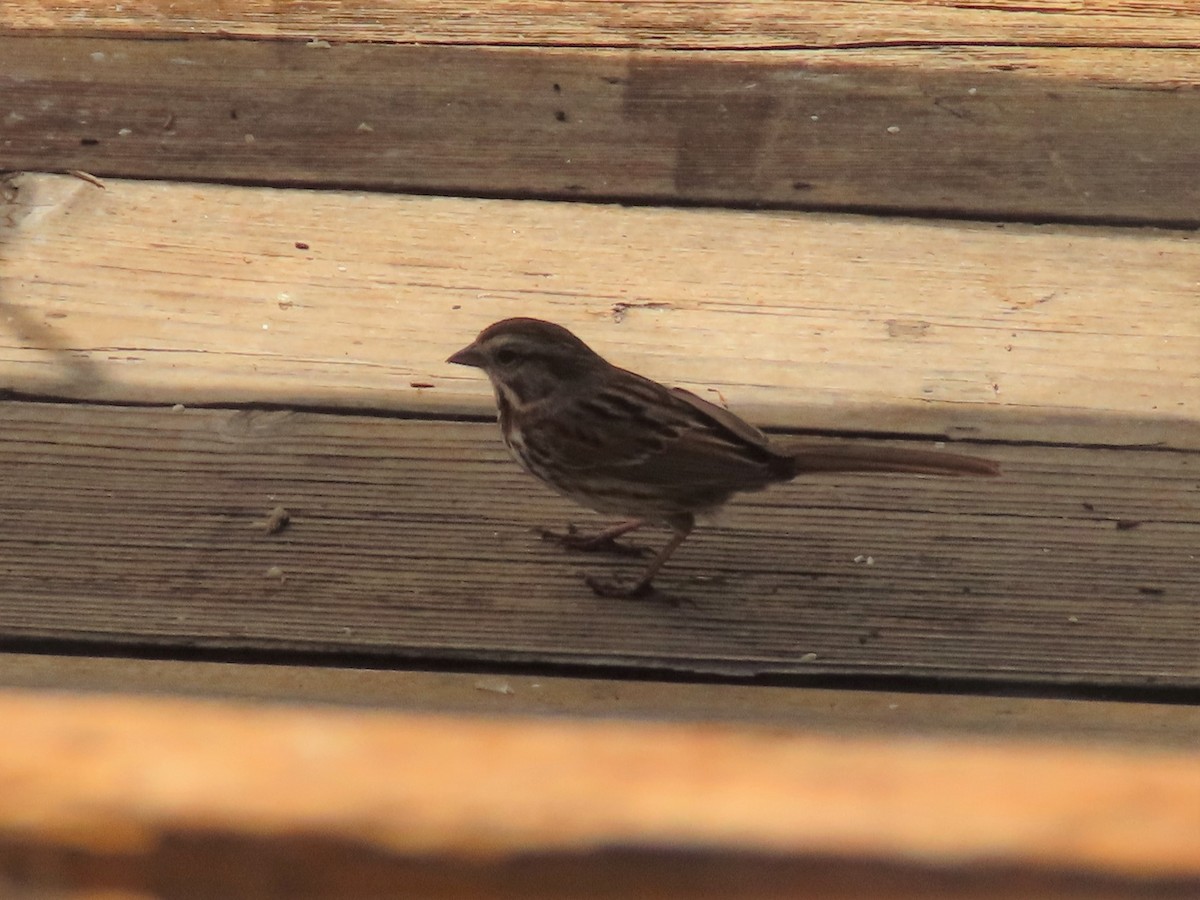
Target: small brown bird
column 622, row 444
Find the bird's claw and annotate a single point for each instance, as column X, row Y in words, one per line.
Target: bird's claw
column 591, row 543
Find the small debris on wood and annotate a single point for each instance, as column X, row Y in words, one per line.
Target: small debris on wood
column 86, row 176
column 301, row 245
column 869, row 560
column 720, row 396
column 318, row 44
column 276, row 572
column 907, row 328
column 178, row 407
column 808, row 657
column 1127, row 524
column 494, row 686
column 619, row 309
column 276, row 520
column 9, row 189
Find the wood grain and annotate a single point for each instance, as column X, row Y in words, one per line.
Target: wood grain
column 414, row 539
column 153, row 292
column 1026, row 132
column 146, row 795
column 649, row 23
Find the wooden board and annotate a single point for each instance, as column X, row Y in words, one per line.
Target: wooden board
column 840, row 710
column 201, row 294
column 681, row 24
column 189, row 799
column 414, row 539
column 1025, row 132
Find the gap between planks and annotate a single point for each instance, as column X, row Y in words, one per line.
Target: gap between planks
column 833, row 710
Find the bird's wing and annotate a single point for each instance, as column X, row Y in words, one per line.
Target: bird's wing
column 640, row 430
column 722, row 417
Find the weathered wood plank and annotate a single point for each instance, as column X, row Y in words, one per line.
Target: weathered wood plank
column 1018, row 132
column 182, row 798
column 871, row 713
column 414, row 538
column 199, row 294
column 650, row 23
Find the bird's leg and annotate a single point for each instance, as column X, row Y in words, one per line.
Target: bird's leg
column 601, row 542
column 682, row 526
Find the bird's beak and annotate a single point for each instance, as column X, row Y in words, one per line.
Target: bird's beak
column 467, row 356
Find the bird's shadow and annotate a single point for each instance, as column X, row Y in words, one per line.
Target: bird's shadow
column 76, row 369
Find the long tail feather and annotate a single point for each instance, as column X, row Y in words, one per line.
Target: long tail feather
column 852, row 458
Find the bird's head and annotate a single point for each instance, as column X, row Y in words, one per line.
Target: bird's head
column 529, row 359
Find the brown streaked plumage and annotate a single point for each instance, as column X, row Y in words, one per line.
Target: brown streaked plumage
column 622, row 444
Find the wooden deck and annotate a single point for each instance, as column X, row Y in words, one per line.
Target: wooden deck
column 236, row 247
column 415, row 536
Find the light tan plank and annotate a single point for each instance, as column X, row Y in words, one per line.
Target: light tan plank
column 137, row 781
column 873, row 713
column 415, row 539
column 1020, row 132
column 198, row 294
column 686, row 24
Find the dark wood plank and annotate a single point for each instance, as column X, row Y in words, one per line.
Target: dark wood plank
column 413, row 538
column 1023, row 132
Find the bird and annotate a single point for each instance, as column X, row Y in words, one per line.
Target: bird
column 623, row 445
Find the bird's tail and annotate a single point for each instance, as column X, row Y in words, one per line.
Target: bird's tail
column 856, row 458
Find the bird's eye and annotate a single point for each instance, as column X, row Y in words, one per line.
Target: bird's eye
column 506, row 357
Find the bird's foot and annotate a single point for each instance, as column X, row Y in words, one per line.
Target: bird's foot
column 573, row 539
column 637, row 590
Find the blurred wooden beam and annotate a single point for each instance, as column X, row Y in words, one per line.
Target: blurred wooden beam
column 189, row 798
